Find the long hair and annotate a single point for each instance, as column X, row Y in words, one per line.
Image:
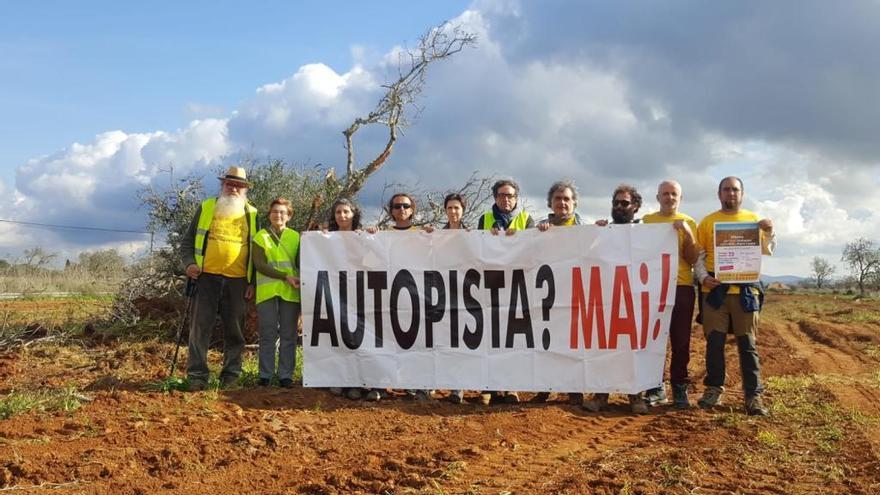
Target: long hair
column 355, row 218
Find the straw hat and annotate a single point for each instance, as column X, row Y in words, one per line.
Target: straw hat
column 236, row 174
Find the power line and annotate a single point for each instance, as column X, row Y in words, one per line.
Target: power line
column 74, row 227
column 79, row 227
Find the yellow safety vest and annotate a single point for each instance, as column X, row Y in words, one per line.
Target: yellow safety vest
column 204, row 225
column 519, row 221
column 281, row 257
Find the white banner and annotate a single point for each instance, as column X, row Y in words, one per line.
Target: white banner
column 575, row 309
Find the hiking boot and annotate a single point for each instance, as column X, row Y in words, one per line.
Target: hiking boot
column 656, row 396
column 456, row 397
column 485, row 398
column 285, row 383
column 711, row 397
column 680, row 396
column 227, row 381
column 576, row 398
column 337, row 391
column 599, row 402
column 354, row 393
column 263, row 382
column 637, row 404
column 755, row 406
column 510, row 397
column 197, row 385
column 373, row 396
column 543, row 397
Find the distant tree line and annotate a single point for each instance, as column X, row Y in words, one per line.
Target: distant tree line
column 862, row 258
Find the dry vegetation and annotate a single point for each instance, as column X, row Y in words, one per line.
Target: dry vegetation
column 93, row 412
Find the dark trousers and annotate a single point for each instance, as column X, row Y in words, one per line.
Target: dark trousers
column 680, row 333
column 744, row 324
column 215, row 295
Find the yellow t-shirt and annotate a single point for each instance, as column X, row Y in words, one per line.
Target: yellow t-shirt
column 567, row 223
column 685, row 269
column 706, row 236
column 227, row 250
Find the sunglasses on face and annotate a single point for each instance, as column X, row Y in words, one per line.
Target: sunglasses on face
column 621, row 203
column 401, row 206
column 506, row 195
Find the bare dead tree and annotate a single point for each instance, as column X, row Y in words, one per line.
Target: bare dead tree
column 439, row 43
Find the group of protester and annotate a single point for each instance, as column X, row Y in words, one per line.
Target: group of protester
column 232, row 262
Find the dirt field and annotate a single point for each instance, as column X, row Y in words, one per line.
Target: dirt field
column 108, row 431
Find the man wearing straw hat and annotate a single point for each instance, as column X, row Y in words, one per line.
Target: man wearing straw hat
column 215, row 253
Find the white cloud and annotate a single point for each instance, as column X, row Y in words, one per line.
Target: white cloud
column 558, row 90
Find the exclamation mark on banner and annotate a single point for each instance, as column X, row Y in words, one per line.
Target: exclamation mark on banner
column 664, row 292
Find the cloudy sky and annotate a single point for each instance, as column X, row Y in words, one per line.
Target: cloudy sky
column 98, row 98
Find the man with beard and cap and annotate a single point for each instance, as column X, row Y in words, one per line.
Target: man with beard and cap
column 625, row 202
column 562, row 198
column 215, row 252
column 728, row 306
column 669, row 197
column 505, row 216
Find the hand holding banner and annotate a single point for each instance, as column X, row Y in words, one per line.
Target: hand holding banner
column 571, row 310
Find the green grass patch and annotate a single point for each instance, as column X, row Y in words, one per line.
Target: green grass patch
column 801, row 400
column 169, row 384
column 250, row 374
column 64, row 399
column 768, row 438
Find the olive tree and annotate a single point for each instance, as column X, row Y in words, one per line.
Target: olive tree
column 822, row 271
column 863, row 257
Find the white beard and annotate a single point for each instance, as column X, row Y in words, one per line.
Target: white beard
column 230, row 206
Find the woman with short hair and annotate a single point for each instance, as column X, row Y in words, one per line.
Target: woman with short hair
column 275, row 254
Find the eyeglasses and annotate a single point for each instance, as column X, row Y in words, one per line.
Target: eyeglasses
column 620, row 202
column 506, row 195
column 401, row 206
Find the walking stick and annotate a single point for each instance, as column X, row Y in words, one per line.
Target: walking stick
column 190, row 293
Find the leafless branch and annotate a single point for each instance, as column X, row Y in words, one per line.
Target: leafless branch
column 439, row 43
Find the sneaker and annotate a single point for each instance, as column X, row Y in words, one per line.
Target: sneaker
column 755, row 406
column 656, row 396
column 599, row 402
column 680, row 396
column 576, row 398
column 263, row 382
column 423, row 395
column 637, row 404
column 456, row 397
column 543, row 397
column 227, row 381
column 373, row 396
column 337, row 391
column 285, row 383
column 485, row 398
column 510, row 398
column 354, row 393
column 711, row 397
column 197, row 385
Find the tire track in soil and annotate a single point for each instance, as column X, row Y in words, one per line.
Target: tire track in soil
column 572, row 437
column 824, row 357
